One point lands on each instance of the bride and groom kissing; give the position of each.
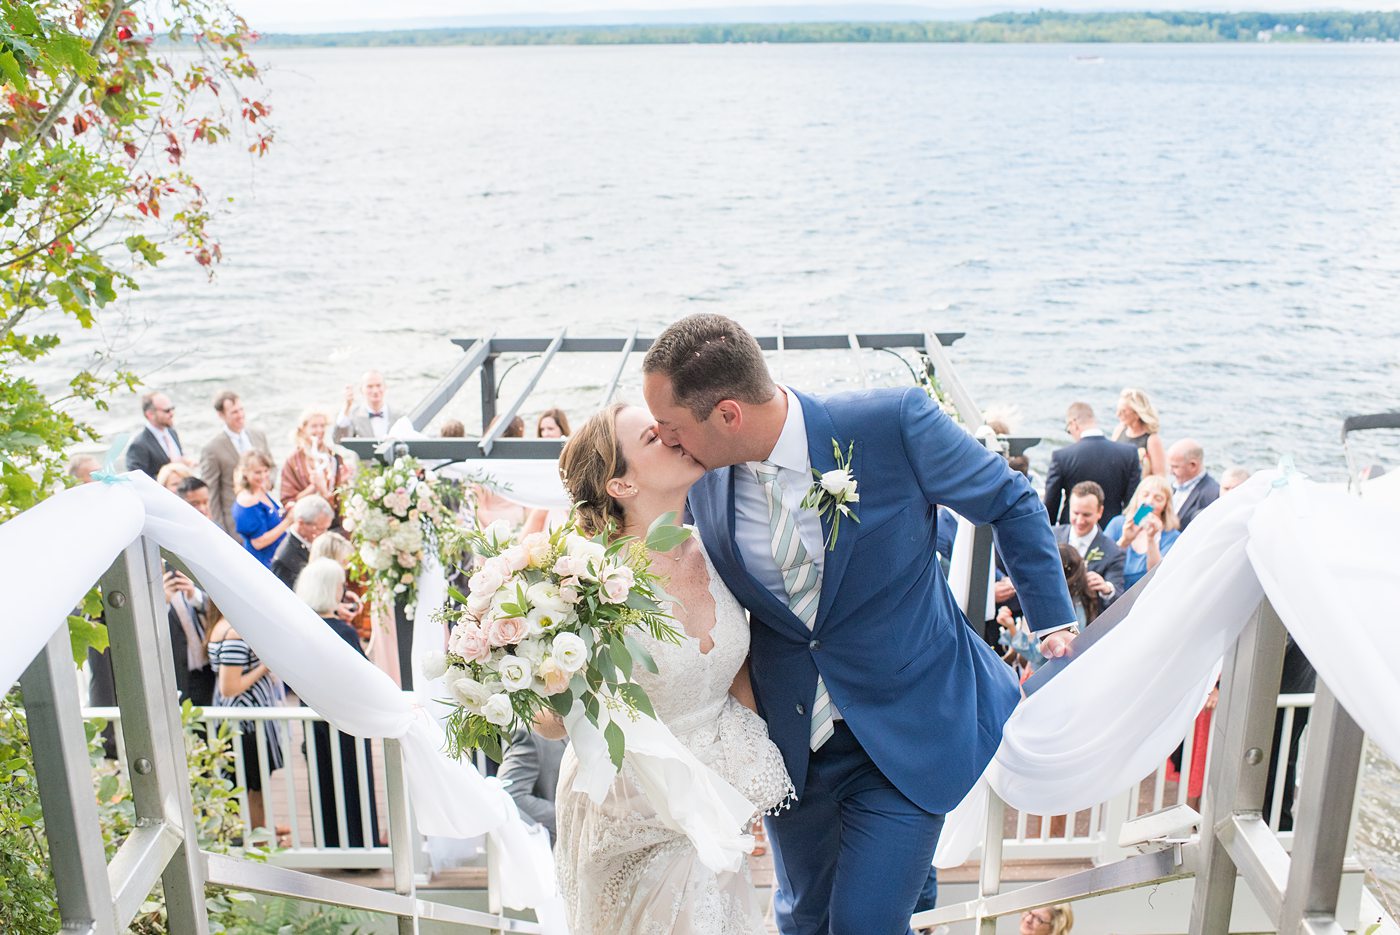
(880, 707)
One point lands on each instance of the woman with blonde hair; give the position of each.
(1145, 543)
(1047, 920)
(172, 474)
(355, 608)
(260, 520)
(315, 467)
(623, 870)
(1139, 426)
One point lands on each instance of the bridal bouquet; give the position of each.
(548, 623)
(394, 515)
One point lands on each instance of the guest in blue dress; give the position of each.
(1144, 544)
(259, 519)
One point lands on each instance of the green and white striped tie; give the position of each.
(803, 581)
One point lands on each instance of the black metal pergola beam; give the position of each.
(480, 354)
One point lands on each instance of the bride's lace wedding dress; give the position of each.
(621, 871)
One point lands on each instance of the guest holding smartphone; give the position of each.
(1147, 529)
(260, 520)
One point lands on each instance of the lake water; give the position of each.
(1217, 224)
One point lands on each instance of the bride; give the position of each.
(621, 870)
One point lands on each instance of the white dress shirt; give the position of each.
(241, 441)
(751, 532)
(1082, 545)
(1181, 492)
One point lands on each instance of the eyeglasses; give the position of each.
(1037, 917)
(1070, 424)
(167, 410)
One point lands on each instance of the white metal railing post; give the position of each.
(1323, 827)
(493, 882)
(989, 874)
(1242, 734)
(164, 842)
(64, 773)
(401, 837)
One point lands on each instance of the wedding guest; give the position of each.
(552, 423)
(1086, 601)
(371, 419)
(260, 521)
(314, 468)
(1139, 426)
(171, 475)
(321, 585)
(453, 428)
(354, 609)
(1103, 558)
(1232, 478)
(218, 460)
(80, 468)
(157, 443)
(1145, 543)
(186, 609)
(1047, 920)
(196, 493)
(1193, 489)
(1112, 465)
(311, 517)
(530, 771)
(242, 680)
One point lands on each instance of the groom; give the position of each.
(885, 704)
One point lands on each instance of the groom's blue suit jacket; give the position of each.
(924, 695)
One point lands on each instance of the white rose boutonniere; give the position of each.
(833, 491)
(1093, 556)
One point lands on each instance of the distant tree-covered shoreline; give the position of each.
(1039, 26)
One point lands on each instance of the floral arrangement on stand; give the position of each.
(394, 516)
(549, 623)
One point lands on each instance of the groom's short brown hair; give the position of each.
(708, 358)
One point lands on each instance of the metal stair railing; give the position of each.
(102, 898)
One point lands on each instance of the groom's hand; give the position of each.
(1056, 644)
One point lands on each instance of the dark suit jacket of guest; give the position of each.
(530, 771)
(1112, 465)
(1110, 566)
(290, 558)
(145, 453)
(1206, 492)
(217, 463)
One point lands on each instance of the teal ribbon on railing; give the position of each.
(110, 466)
(1287, 471)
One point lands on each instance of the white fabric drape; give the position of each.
(54, 552)
(1324, 558)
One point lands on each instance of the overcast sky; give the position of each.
(330, 15)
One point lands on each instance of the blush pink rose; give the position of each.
(469, 641)
(555, 679)
(507, 631)
(617, 584)
(517, 557)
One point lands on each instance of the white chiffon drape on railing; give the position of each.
(1326, 559)
(53, 553)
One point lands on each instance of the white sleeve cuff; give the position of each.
(1042, 634)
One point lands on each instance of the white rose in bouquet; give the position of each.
(532, 651)
(569, 652)
(497, 710)
(548, 609)
(433, 665)
(585, 553)
(516, 673)
(471, 693)
(537, 545)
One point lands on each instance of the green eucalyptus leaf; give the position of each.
(636, 696)
(616, 745)
(640, 653)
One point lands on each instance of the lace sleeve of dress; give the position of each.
(752, 763)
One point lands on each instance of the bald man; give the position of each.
(371, 419)
(1193, 489)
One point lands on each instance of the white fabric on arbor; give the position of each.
(53, 553)
(1324, 558)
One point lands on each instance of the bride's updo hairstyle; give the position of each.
(592, 456)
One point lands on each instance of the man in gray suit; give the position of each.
(530, 771)
(373, 418)
(219, 459)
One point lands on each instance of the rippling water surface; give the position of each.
(1218, 224)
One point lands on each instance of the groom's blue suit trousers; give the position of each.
(853, 854)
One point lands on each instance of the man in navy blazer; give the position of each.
(919, 700)
(156, 444)
(1193, 489)
(1101, 554)
(1112, 465)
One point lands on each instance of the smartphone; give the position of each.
(1141, 514)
